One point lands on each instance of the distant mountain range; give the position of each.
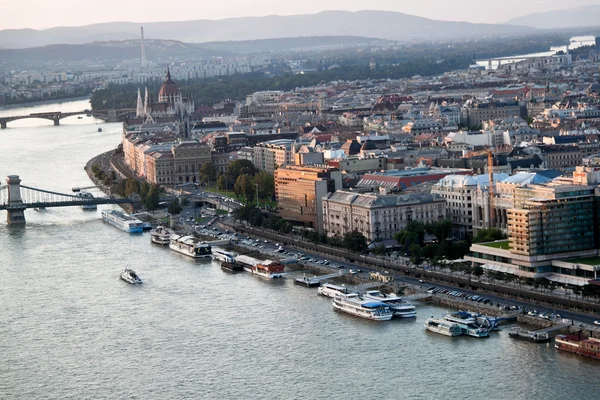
(572, 17)
(373, 24)
(155, 49)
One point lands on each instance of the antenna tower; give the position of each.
(143, 50)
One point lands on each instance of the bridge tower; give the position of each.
(16, 209)
(2, 123)
(56, 120)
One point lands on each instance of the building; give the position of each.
(378, 217)
(458, 191)
(299, 190)
(269, 156)
(478, 112)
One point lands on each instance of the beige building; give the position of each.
(299, 190)
(271, 155)
(378, 217)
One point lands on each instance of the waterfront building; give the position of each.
(378, 217)
(458, 190)
(299, 190)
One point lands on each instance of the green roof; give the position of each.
(586, 261)
(503, 244)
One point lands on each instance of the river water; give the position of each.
(70, 329)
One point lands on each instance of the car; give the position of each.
(421, 281)
(597, 322)
(266, 241)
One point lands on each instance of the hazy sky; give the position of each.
(39, 14)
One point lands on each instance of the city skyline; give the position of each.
(112, 10)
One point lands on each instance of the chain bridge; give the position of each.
(56, 116)
(16, 198)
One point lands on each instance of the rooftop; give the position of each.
(501, 244)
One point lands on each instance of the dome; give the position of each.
(169, 88)
(368, 145)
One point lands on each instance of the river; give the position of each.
(70, 329)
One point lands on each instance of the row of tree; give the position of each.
(149, 193)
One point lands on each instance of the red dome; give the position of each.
(169, 88)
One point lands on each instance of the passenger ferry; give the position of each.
(269, 269)
(223, 256)
(190, 246)
(87, 196)
(578, 344)
(467, 324)
(353, 304)
(161, 235)
(331, 290)
(529, 336)
(400, 307)
(122, 221)
(443, 327)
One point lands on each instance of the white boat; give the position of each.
(269, 269)
(468, 324)
(443, 327)
(331, 290)
(122, 221)
(87, 195)
(131, 277)
(161, 235)
(190, 246)
(223, 256)
(353, 304)
(400, 307)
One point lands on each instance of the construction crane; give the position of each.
(491, 186)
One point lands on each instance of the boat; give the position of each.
(99, 129)
(80, 117)
(352, 303)
(529, 336)
(331, 290)
(222, 255)
(131, 277)
(231, 266)
(87, 196)
(122, 221)
(146, 226)
(161, 235)
(190, 246)
(468, 324)
(269, 269)
(578, 344)
(308, 282)
(400, 307)
(443, 327)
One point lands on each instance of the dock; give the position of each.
(308, 282)
(553, 330)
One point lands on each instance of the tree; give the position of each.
(131, 187)
(152, 198)
(478, 271)
(222, 183)
(208, 173)
(379, 250)
(239, 167)
(266, 185)
(414, 233)
(441, 229)
(174, 208)
(416, 256)
(355, 241)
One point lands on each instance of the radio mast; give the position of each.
(143, 50)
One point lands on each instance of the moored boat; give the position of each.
(269, 269)
(161, 235)
(190, 246)
(529, 336)
(87, 196)
(468, 324)
(129, 276)
(578, 344)
(331, 290)
(400, 307)
(443, 327)
(122, 221)
(308, 282)
(353, 304)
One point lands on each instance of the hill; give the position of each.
(373, 24)
(579, 16)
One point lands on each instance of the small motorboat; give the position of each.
(131, 277)
(99, 129)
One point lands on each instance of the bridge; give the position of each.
(55, 116)
(16, 198)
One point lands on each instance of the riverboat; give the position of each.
(269, 269)
(468, 324)
(87, 196)
(223, 256)
(528, 336)
(578, 344)
(331, 290)
(443, 327)
(353, 304)
(190, 246)
(122, 221)
(400, 307)
(131, 277)
(161, 235)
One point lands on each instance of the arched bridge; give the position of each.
(16, 198)
(56, 116)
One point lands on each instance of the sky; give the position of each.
(41, 14)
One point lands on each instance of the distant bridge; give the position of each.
(55, 116)
(16, 198)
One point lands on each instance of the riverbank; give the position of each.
(38, 102)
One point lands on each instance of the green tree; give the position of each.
(416, 256)
(239, 167)
(222, 183)
(266, 185)
(379, 250)
(355, 241)
(488, 235)
(174, 208)
(208, 173)
(442, 230)
(152, 198)
(131, 187)
(244, 186)
(478, 271)
(414, 233)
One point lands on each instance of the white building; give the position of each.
(378, 217)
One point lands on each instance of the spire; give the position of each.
(146, 104)
(168, 73)
(140, 107)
